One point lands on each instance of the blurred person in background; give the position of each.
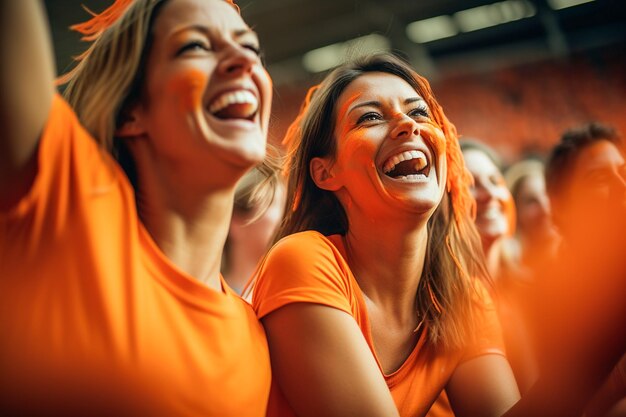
(536, 237)
(251, 228)
(586, 183)
(495, 221)
(586, 173)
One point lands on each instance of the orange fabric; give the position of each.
(95, 320)
(309, 267)
(441, 407)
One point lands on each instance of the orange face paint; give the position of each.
(189, 87)
(343, 110)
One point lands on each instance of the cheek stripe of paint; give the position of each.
(190, 87)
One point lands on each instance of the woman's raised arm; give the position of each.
(26, 90)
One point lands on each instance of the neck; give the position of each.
(388, 262)
(188, 218)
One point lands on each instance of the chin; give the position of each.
(423, 206)
(493, 234)
(246, 154)
(254, 156)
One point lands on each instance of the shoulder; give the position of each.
(62, 121)
(303, 267)
(63, 134)
(306, 253)
(70, 164)
(303, 245)
(308, 250)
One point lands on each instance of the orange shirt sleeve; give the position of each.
(304, 267)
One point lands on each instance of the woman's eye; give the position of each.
(419, 112)
(368, 117)
(193, 46)
(496, 180)
(253, 47)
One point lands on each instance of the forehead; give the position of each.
(214, 14)
(478, 163)
(598, 155)
(377, 86)
(533, 183)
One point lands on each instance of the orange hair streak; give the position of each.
(100, 22)
(292, 140)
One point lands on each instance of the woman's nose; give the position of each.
(405, 127)
(237, 60)
(485, 191)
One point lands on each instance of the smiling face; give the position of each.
(600, 172)
(491, 195)
(533, 207)
(207, 97)
(596, 189)
(389, 152)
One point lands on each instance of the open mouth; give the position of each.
(411, 164)
(238, 104)
(492, 213)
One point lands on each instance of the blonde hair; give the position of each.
(109, 78)
(249, 195)
(109, 74)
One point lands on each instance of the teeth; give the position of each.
(409, 177)
(233, 97)
(420, 164)
(492, 213)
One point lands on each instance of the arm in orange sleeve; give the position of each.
(483, 383)
(483, 386)
(323, 364)
(320, 358)
(26, 90)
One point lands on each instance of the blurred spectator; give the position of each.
(536, 236)
(251, 229)
(495, 221)
(584, 336)
(586, 173)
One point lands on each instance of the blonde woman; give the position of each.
(112, 301)
(251, 229)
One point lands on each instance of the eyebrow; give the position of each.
(375, 103)
(207, 31)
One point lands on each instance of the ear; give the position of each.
(132, 124)
(322, 174)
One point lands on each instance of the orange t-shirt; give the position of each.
(95, 320)
(311, 268)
